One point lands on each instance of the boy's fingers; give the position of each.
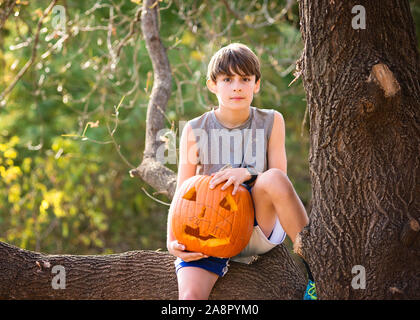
(230, 181)
(227, 184)
(214, 182)
(178, 246)
(217, 178)
(235, 188)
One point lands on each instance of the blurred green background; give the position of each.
(74, 124)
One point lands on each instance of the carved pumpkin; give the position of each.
(211, 221)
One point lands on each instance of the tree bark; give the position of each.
(138, 275)
(363, 94)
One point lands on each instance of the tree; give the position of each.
(363, 99)
(363, 93)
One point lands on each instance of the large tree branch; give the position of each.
(138, 275)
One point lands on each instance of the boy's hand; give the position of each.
(177, 249)
(235, 176)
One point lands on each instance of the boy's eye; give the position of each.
(226, 79)
(246, 79)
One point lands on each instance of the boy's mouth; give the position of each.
(237, 98)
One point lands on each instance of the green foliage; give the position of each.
(68, 201)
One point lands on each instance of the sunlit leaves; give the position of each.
(43, 196)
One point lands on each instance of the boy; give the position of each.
(234, 77)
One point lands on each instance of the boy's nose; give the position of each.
(237, 87)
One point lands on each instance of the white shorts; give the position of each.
(259, 244)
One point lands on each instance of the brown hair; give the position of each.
(234, 58)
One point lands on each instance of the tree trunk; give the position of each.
(138, 275)
(363, 94)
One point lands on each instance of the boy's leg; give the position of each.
(195, 283)
(274, 196)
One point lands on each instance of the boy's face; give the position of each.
(235, 92)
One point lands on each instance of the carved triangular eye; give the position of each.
(229, 203)
(190, 194)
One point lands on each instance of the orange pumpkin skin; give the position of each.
(211, 221)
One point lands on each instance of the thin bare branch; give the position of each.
(33, 56)
(6, 9)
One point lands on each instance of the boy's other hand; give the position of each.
(177, 249)
(235, 176)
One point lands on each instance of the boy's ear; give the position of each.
(211, 85)
(257, 86)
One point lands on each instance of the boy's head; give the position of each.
(235, 58)
(234, 76)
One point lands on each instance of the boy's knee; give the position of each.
(275, 182)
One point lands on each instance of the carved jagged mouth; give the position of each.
(195, 232)
(207, 240)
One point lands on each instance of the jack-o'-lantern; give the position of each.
(211, 221)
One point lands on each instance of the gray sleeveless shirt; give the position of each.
(243, 145)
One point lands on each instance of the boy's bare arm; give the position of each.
(187, 163)
(188, 159)
(276, 144)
